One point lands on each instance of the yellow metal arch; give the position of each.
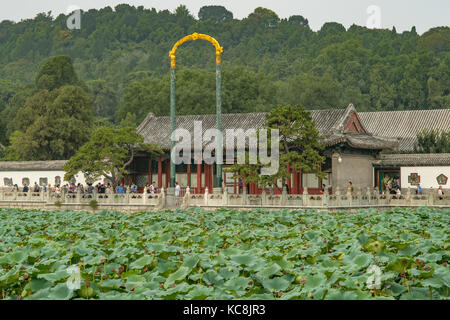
(193, 37)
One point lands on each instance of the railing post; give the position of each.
(185, 203)
(349, 197)
(78, 195)
(144, 197)
(15, 195)
(206, 196)
(225, 196)
(264, 197)
(2, 195)
(29, 194)
(338, 196)
(431, 197)
(305, 197)
(163, 198)
(408, 196)
(325, 198)
(283, 196)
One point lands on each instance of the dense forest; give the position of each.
(119, 68)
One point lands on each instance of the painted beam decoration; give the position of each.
(414, 179)
(442, 179)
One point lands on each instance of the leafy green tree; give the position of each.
(298, 21)
(52, 125)
(105, 100)
(431, 141)
(300, 146)
(215, 13)
(57, 72)
(108, 153)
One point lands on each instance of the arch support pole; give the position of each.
(172, 126)
(219, 147)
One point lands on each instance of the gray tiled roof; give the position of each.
(405, 124)
(54, 165)
(362, 141)
(157, 129)
(382, 127)
(431, 159)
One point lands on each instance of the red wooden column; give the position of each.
(295, 189)
(167, 173)
(234, 185)
(244, 185)
(149, 171)
(159, 172)
(189, 175)
(300, 180)
(199, 176)
(208, 177)
(320, 179)
(289, 175)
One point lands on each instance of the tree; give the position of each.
(300, 146)
(215, 13)
(52, 125)
(108, 153)
(431, 141)
(56, 73)
(298, 20)
(105, 99)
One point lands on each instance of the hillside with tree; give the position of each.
(121, 69)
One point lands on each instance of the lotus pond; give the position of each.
(225, 254)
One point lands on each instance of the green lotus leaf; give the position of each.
(243, 259)
(55, 276)
(315, 281)
(178, 275)
(237, 284)
(276, 284)
(142, 262)
(61, 292)
(334, 294)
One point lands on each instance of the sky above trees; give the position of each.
(403, 14)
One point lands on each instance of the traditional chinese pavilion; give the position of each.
(354, 142)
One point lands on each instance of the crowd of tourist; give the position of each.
(100, 188)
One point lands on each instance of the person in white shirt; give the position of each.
(177, 191)
(152, 187)
(440, 193)
(399, 193)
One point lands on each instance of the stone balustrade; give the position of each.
(221, 198)
(345, 198)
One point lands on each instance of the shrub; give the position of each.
(93, 204)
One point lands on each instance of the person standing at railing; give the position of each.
(152, 187)
(440, 193)
(120, 189)
(399, 193)
(134, 188)
(177, 192)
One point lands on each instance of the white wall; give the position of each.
(35, 175)
(427, 175)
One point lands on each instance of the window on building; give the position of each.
(26, 181)
(58, 180)
(7, 181)
(43, 181)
